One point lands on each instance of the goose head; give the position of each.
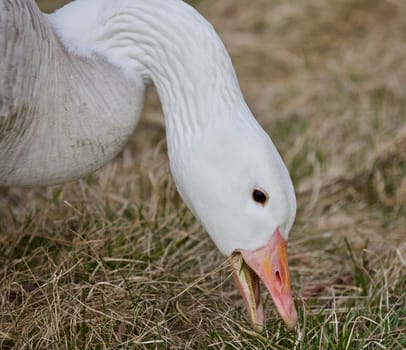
(235, 182)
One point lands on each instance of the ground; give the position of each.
(116, 260)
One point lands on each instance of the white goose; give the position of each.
(71, 91)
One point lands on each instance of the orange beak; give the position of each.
(270, 264)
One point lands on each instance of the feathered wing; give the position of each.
(25, 40)
(61, 115)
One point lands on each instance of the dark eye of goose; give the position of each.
(259, 196)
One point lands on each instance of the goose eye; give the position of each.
(259, 196)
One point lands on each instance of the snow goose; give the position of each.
(71, 91)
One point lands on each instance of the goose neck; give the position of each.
(166, 42)
(179, 51)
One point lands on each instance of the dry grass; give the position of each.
(117, 261)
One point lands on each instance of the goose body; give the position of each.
(72, 87)
(61, 116)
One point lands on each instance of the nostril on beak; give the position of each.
(278, 279)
